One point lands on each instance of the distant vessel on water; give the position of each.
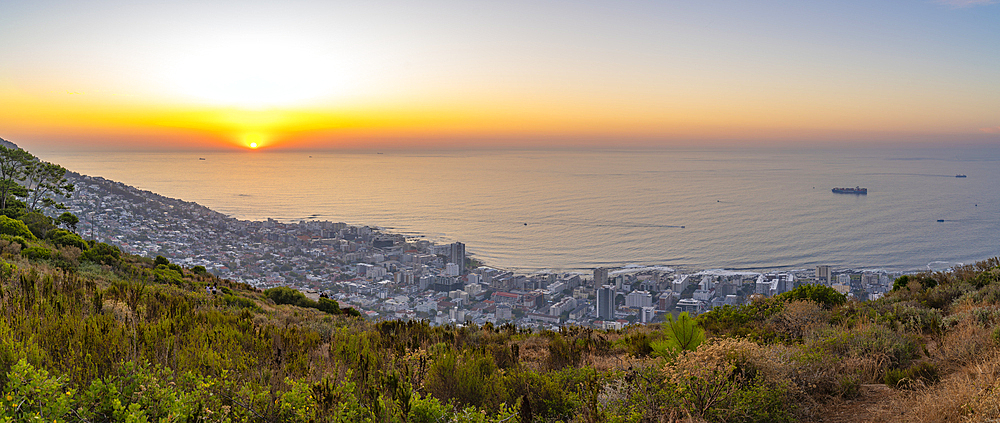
(855, 190)
(960, 176)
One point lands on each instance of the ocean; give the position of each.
(740, 209)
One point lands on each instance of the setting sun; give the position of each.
(253, 140)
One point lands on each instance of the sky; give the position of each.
(310, 74)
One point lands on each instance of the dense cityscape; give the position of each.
(388, 276)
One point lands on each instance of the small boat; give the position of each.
(201, 158)
(855, 190)
(961, 176)
(940, 220)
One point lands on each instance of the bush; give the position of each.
(286, 295)
(820, 294)
(730, 380)
(102, 253)
(918, 375)
(796, 319)
(63, 237)
(39, 224)
(744, 321)
(329, 306)
(19, 240)
(37, 253)
(923, 280)
(906, 316)
(15, 228)
(872, 347)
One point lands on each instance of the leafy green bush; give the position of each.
(743, 321)
(286, 295)
(14, 227)
(37, 253)
(820, 294)
(102, 253)
(31, 394)
(63, 237)
(39, 224)
(327, 305)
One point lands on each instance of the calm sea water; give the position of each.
(575, 210)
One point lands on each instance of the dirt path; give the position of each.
(873, 405)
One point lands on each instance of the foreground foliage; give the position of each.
(88, 334)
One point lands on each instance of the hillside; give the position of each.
(91, 334)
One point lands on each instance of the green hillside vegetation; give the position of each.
(93, 335)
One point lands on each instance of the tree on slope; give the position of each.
(13, 163)
(43, 181)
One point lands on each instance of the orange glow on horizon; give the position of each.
(504, 121)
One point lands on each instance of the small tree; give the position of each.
(44, 181)
(13, 162)
(682, 334)
(69, 220)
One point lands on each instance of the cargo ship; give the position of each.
(855, 190)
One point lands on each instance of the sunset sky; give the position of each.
(372, 74)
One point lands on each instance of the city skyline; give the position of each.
(308, 75)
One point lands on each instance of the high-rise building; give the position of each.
(606, 302)
(823, 274)
(600, 277)
(457, 255)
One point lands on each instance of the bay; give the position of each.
(573, 210)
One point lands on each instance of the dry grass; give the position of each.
(971, 394)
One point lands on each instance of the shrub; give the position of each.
(730, 380)
(37, 253)
(164, 274)
(14, 227)
(745, 320)
(327, 305)
(987, 277)
(32, 394)
(872, 347)
(918, 375)
(102, 253)
(908, 317)
(63, 237)
(797, 318)
(39, 224)
(563, 352)
(286, 295)
(19, 240)
(820, 294)
(923, 280)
